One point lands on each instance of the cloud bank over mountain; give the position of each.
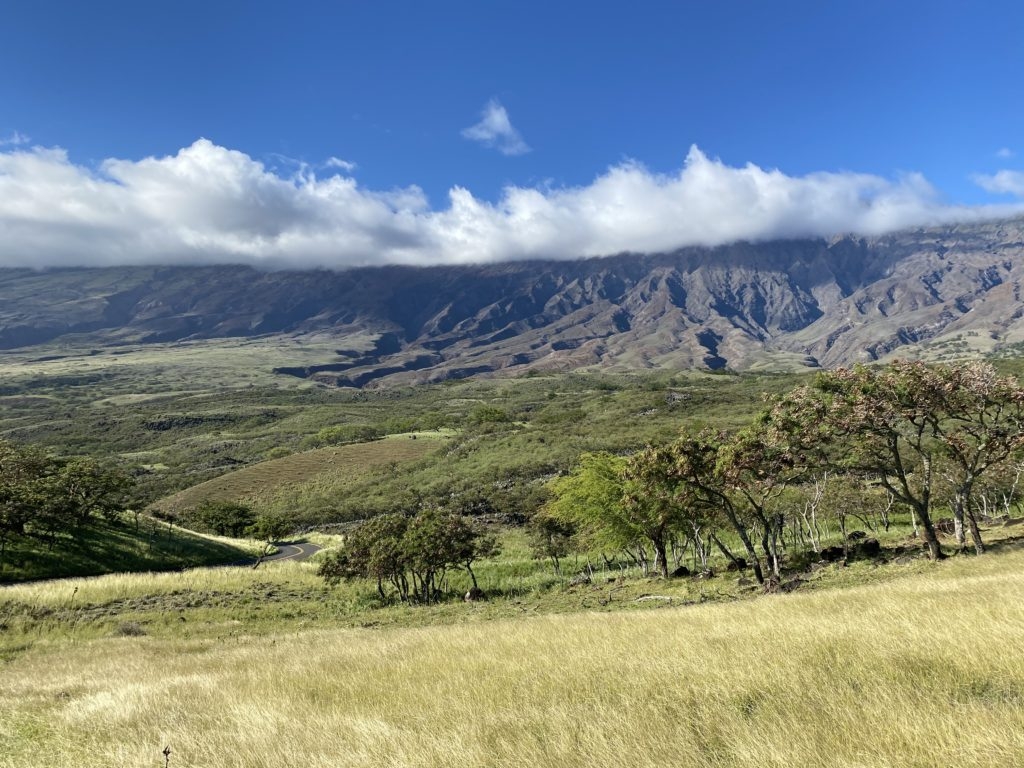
(211, 204)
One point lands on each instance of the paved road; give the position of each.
(298, 551)
(301, 551)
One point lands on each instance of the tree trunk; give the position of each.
(725, 551)
(957, 508)
(770, 554)
(748, 545)
(660, 556)
(931, 539)
(972, 521)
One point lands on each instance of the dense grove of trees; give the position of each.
(411, 553)
(852, 444)
(44, 498)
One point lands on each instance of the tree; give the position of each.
(411, 553)
(592, 498)
(437, 540)
(92, 488)
(20, 471)
(758, 464)
(874, 422)
(44, 497)
(898, 423)
(978, 422)
(656, 501)
(699, 464)
(372, 550)
(224, 518)
(550, 537)
(271, 527)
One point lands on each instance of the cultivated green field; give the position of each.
(923, 670)
(290, 475)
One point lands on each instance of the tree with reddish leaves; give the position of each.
(700, 464)
(978, 423)
(903, 423)
(757, 465)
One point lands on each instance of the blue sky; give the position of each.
(537, 114)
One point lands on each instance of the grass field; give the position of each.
(343, 464)
(925, 670)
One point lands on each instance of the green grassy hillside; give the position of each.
(290, 475)
(124, 545)
(202, 412)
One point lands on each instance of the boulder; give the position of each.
(869, 548)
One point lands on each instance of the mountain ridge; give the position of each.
(789, 302)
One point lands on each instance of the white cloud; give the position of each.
(1002, 182)
(496, 130)
(1005, 153)
(210, 204)
(16, 139)
(342, 165)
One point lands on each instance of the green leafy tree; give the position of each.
(91, 488)
(271, 527)
(413, 554)
(550, 537)
(375, 551)
(489, 414)
(346, 433)
(757, 465)
(657, 502)
(590, 497)
(437, 540)
(224, 518)
(20, 494)
(44, 497)
(700, 464)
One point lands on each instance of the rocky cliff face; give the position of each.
(806, 302)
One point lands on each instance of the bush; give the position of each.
(223, 518)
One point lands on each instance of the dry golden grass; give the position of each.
(101, 590)
(923, 671)
(268, 477)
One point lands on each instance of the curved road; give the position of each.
(300, 551)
